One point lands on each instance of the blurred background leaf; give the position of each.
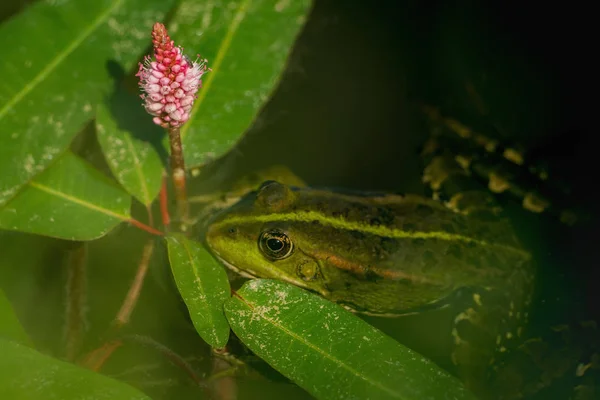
(28, 374)
(55, 72)
(71, 200)
(10, 326)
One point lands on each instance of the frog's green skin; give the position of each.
(387, 255)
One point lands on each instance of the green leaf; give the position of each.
(10, 327)
(28, 374)
(246, 43)
(54, 71)
(132, 159)
(204, 287)
(330, 352)
(71, 200)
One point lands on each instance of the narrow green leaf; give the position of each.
(28, 374)
(330, 352)
(71, 200)
(10, 327)
(132, 158)
(54, 71)
(246, 43)
(203, 285)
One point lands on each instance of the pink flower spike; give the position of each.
(169, 75)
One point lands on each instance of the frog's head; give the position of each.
(251, 239)
(314, 240)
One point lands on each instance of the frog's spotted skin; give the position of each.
(535, 367)
(563, 364)
(492, 313)
(516, 176)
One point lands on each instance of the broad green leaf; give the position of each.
(71, 200)
(54, 71)
(204, 287)
(28, 374)
(10, 327)
(132, 158)
(246, 43)
(330, 352)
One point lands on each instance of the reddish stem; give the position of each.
(164, 204)
(178, 173)
(145, 227)
(133, 294)
(96, 358)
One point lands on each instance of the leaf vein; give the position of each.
(223, 47)
(140, 173)
(58, 59)
(320, 351)
(78, 201)
(199, 286)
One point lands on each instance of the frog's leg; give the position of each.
(505, 169)
(489, 319)
(562, 363)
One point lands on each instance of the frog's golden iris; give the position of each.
(275, 244)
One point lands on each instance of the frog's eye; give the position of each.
(275, 244)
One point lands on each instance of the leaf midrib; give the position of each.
(137, 164)
(78, 201)
(320, 351)
(43, 74)
(221, 53)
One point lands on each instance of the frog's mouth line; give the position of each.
(246, 274)
(253, 275)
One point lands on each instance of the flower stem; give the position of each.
(178, 173)
(164, 204)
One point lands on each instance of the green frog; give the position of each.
(392, 255)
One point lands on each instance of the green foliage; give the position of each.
(246, 44)
(55, 72)
(10, 327)
(133, 161)
(328, 351)
(28, 374)
(204, 287)
(70, 200)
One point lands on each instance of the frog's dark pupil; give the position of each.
(275, 244)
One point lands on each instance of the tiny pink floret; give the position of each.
(170, 81)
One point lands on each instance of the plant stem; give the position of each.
(96, 358)
(164, 204)
(133, 294)
(144, 227)
(178, 174)
(172, 356)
